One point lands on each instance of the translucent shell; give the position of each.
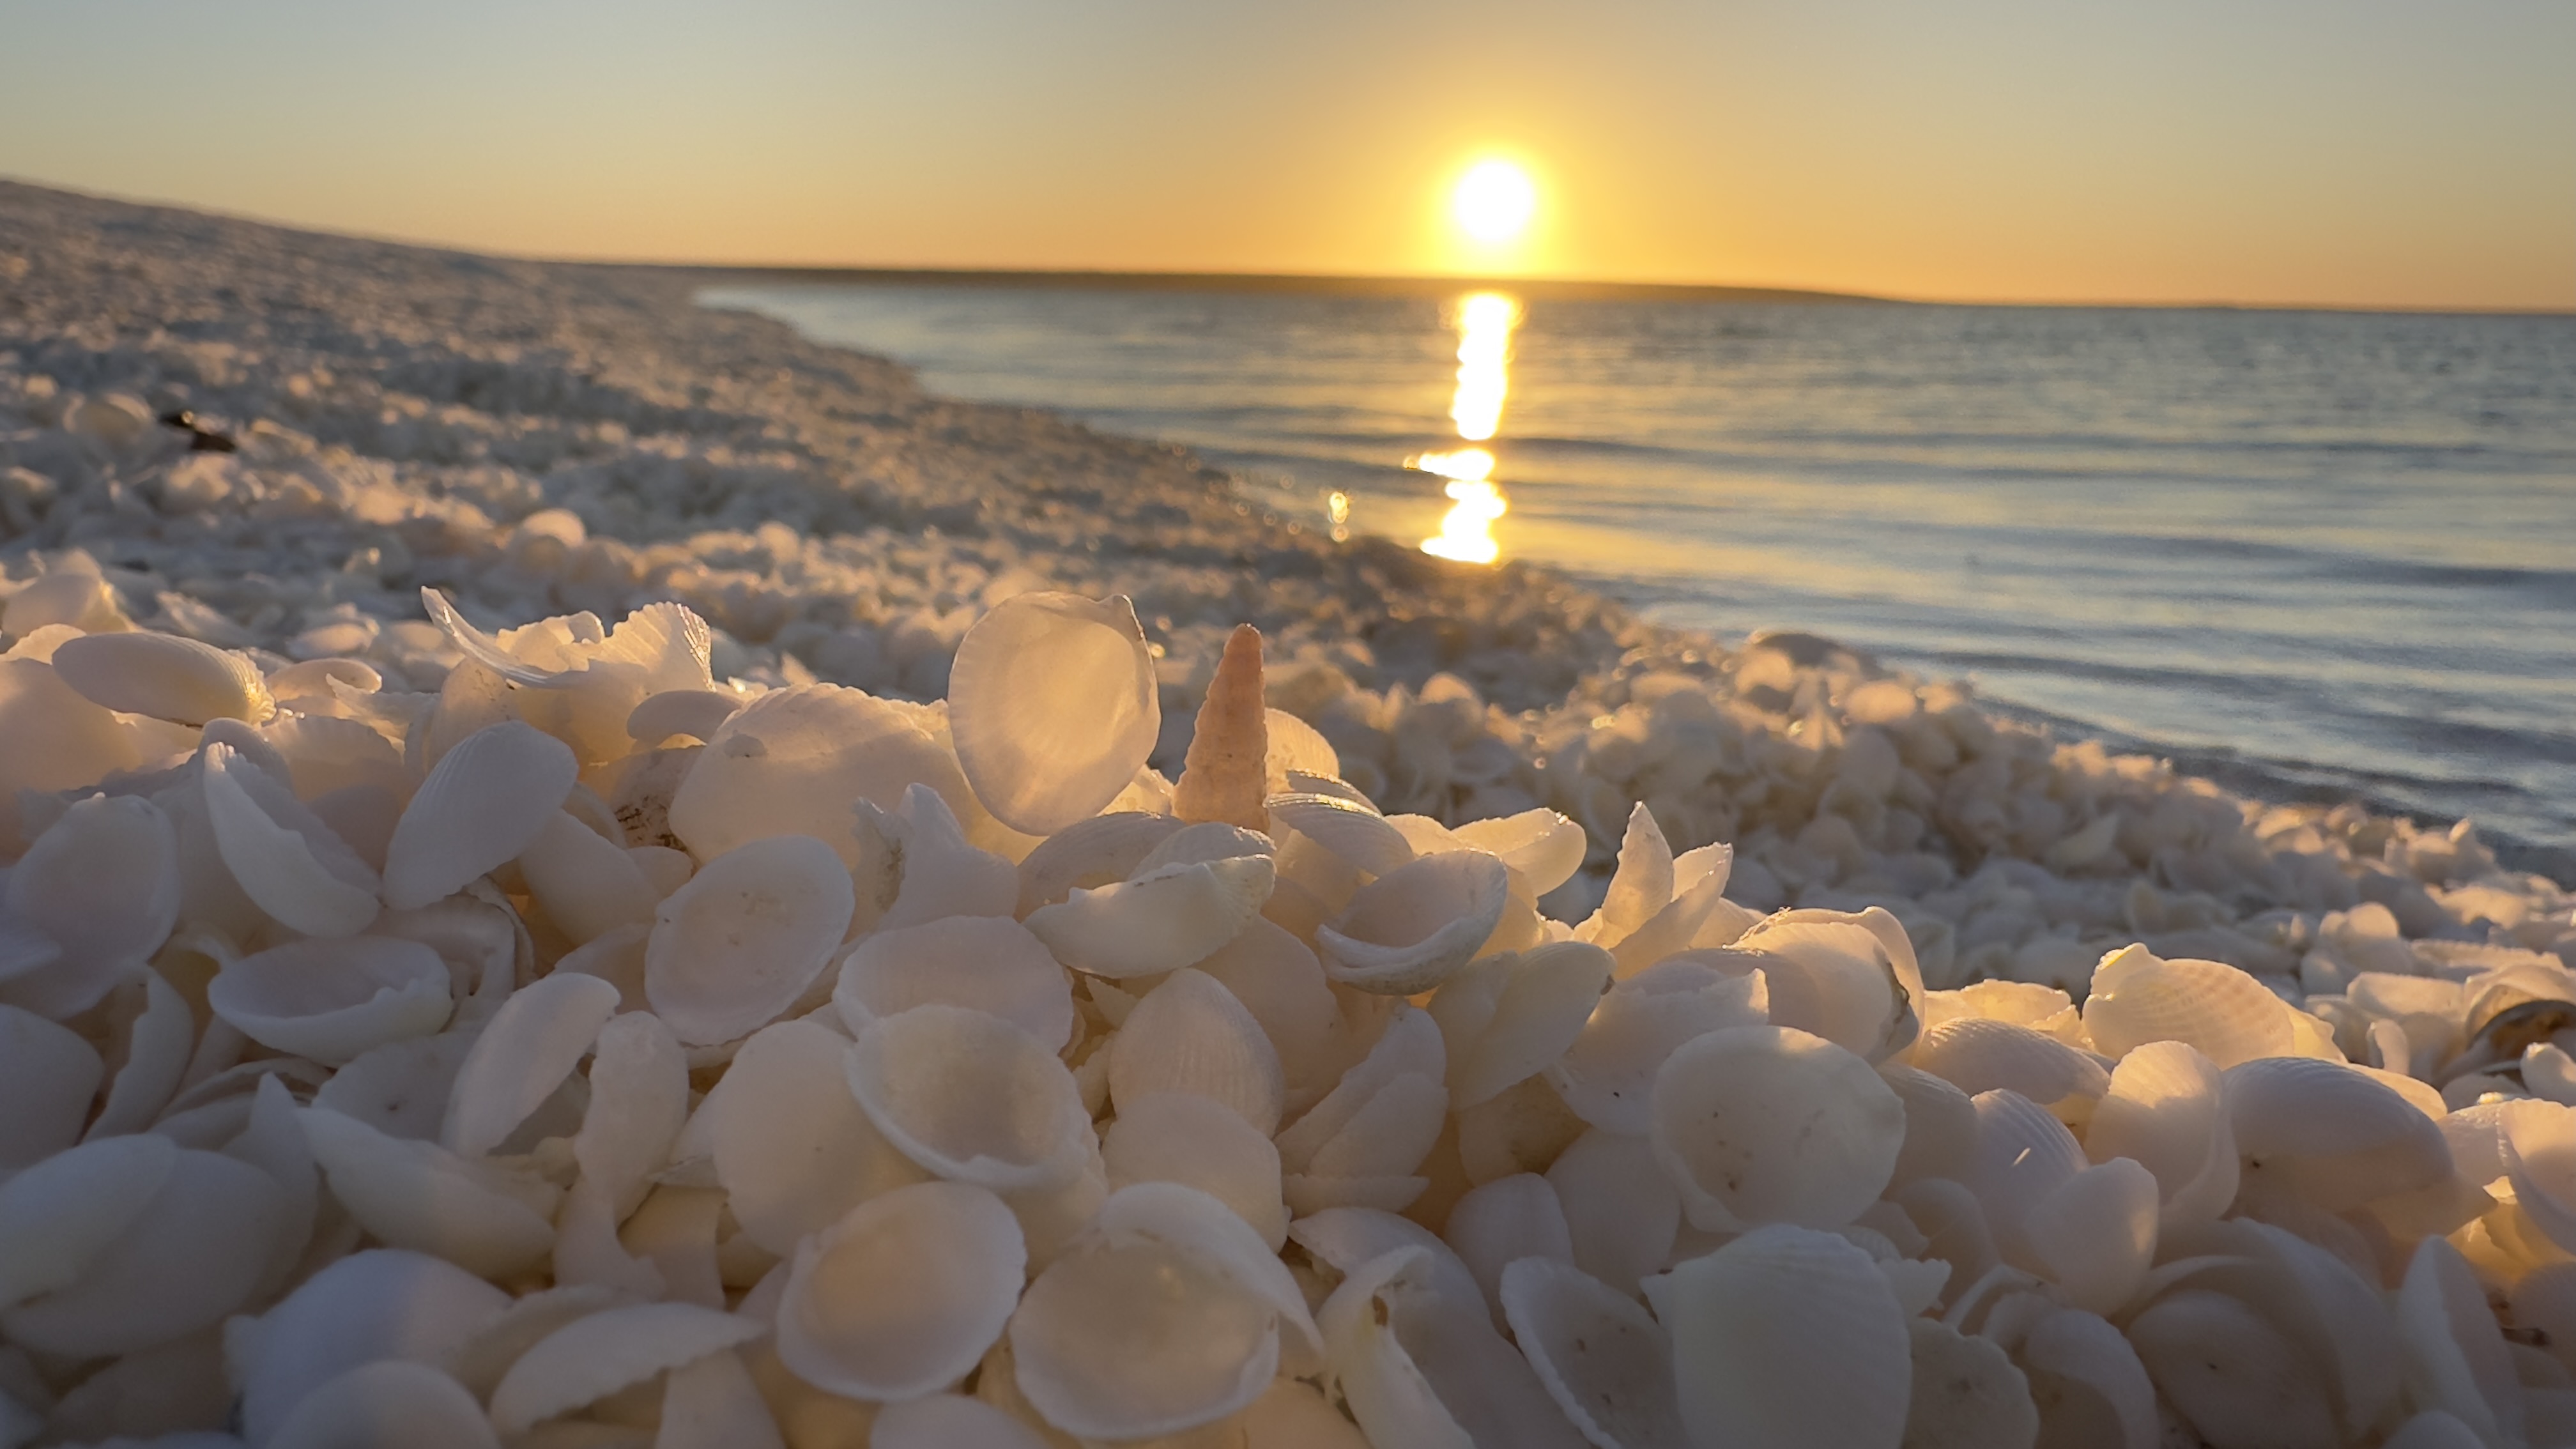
(792, 1149)
(971, 1098)
(1762, 1124)
(1189, 1034)
(904, 1294)
(1052, 704)
(1787, 1336)
(989, 963)
(331, 999)
(484, 802)
(736, 946)
(165, 676)
(1600, 1355)
(1408, 930)
(1160, 921)
(288, 861)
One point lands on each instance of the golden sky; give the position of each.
(2342, 152)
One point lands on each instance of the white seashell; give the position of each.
(941, 875)
(400, 1088)
(2433, 1429)
(1976, 1055)
(1408, 930)
(1282, 984)
(102, 885)
(1227, 770)
(1099, 851)
(594, 1356)
(697, 713)
(737, 945)
(1940, 1125)
(1641, 885)
(1382, 1118)
(2091, 1387)
(333, 999)
(1601, 1357)
(164, 676)
(47, 1076)
(2166, 1108)
(413, 1194)
(1206, 841)
(194, 1253)
(2094, 1235)
(971, 1098)
(1503, 1221)
(1786, 1336)
(1541, 848)
(2227, 1015)
(902, 1296)
(1157, 922)
(288, 861)
(2334, 1321)
(1608, 1073)
(1348, 1239)
(639, 1100)
(1507, 1017)
(1765, 1124)
(389, 1404)
(792, 1149)
(1834, 976)
(2455, 1356)
(1621, 1208)
(2023, 1155)
(2331, 1136)
(1204, 1227)
(523, 1054)
(949, 1421)
(1967, 1393)
(2230, 1374)
(1053, 706)
(1189, 1034)
(57, 740)
(1198, 1142)
(988, 963)
(484, 802)
(373, 1306)
(1355, 833)
(61, 1214)
(587, 885)
(791, 763)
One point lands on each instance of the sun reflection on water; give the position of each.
(1485, 323)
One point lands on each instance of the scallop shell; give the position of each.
(1768, 1124)
(2167, 1110)
(2023, 1155)
(1608, 1073)
(1408, 930)
(1510, 1016)
(1226, 773)
(372, 1306)
(971, 1098)
(522, 1055)
(192, 1255)
(485, 801)
(412, 1194)
(1157, 922)
(1189, 1034)
(988, 963)
(1787, 1336)
(902, 1296)
(1976, 1055)
(48, 1076)
(1621, 1208)
(2228, 1016)
(1501, 1222)
(331, 999)
(295, 867)
(791, 1147)
(738, 944)
(389, 1404)
(1967, 1393)
(1604, 1360)
(1053, 706)
(1198, 1142)
(594, 1356)
(792, 761)
(165, 676)
(949, 1421)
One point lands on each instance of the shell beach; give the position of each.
(580, 871)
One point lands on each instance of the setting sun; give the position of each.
(1494, 201)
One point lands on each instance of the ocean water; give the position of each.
(2314, 555)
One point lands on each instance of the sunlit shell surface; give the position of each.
(578, 1034)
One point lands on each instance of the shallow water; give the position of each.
(2316, 555)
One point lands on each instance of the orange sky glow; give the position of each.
(2337, 152)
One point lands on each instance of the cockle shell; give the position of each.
(2224, 1013)
(2022, 1156)
(1189, 1034)
(1839, 978)
(1281, 983)
(484, 802)
(1353, 832)
(739, 943)
(2166, 1108)
(331, 999)
(696, 713)
(594, 1356)
(1199, 1142)
(1601, 1356)
(791, 1147)
(971, 1098)
(58, 1216)
(902, 1296)
(57, 740)
(1976, 1054)
(1607, 1075)
(1156, 922)
(2456, 1357)
(1052, 704)
(587, 884)
(1226, 773)
(1968, 1394)
(1763, 1124)
(2330, 1135)
(1786, 1336)
(989, 963)
(1381, 1119)
(1541, 848)
(2095, 1234)
(1098, 851)
(165, 676)
(1409, 929)
(287, 860)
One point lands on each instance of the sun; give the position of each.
(1494, 201)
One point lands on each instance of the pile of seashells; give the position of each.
(585, 1052)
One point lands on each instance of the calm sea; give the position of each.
(2315, 555)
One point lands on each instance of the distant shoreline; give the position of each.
(1555, 289)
